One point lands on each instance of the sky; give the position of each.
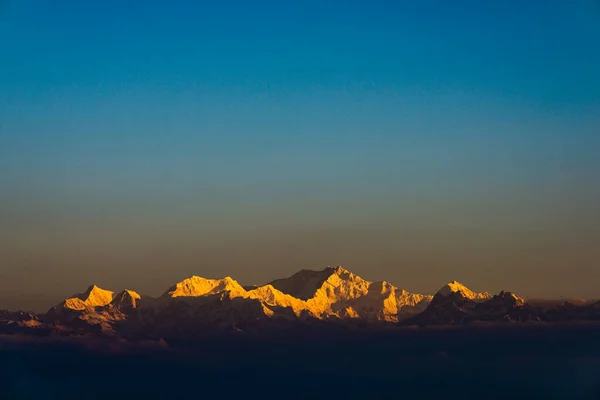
(142, 142)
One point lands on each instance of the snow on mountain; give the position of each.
(198, 286)
(272, 297)
(338, 293)
(330, 293)
(19, 321)
(127, 299)
(199, 305)
(304, 284)
(454, 303)
(456, 287)
(199, 302)
(513, 298)
(92, 297)
(411, 303)
(96, 310)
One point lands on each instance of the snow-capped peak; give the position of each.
(197, 286)
(334, 291)
(338, 270)
(94, 296)
(512, 297)
(457, 287)
(126, 299)
(306, 283)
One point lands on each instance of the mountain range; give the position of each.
(333, 298)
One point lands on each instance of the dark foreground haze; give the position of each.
(517, 362)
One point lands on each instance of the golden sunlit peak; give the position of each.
(126, 298)
(93, 288)
(511, 295)
(94, 296)
(338, 269)
(197, 286)
(457, 287)
(130, 293)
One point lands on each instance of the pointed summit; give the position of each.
(97, 297)
(127, 299)
(338, 270)
(335, 292)
(305, 283)
(510, 298)
(94, 296)
(457, 287)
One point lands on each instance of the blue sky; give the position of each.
(268, 116)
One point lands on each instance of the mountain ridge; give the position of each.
(330, 297)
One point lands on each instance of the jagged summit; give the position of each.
(98, 295)
(457, 287)
(334, 295)
(126, 299)
(338, 269)
(304, 284)
(335, 292)
(94, 296)
(197, 286)
(510, 297)
(456, 304)
(272, 297)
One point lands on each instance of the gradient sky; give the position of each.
(416, 142)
